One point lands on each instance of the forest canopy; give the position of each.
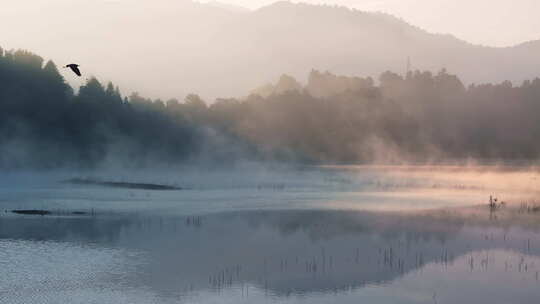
(417, 117)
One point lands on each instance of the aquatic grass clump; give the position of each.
(494, 204)
(529, 207)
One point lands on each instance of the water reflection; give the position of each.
(252, 256)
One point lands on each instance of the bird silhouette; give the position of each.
(75, 68)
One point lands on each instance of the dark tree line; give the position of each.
(44, 124)
(333, 119)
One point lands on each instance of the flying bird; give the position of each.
(75, 68)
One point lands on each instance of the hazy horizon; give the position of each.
(170, 48)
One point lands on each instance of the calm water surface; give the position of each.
(331, 235)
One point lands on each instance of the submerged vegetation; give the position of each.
(31, 212)
(48, 212)
(418, 117)
(126, 185)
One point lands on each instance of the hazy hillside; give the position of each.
(180, 47)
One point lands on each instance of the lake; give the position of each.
(258, 234)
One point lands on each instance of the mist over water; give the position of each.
(259, 234)
(259, 186)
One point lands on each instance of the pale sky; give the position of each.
(487, 22)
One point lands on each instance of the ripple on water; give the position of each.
(60, 272)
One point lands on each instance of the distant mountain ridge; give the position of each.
(178, 47)
(226, 6)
